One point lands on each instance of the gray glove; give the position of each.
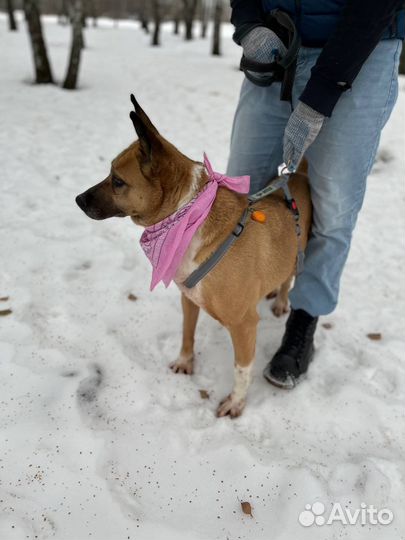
(302, 129)
(262, 45)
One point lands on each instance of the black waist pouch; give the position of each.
(282, 69)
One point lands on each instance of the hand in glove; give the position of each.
(302, 129)
(262, 45)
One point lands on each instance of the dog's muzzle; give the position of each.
(87, 202)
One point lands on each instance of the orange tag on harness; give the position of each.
(259, 216)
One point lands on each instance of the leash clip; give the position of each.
(285, 171)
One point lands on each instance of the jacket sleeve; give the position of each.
(358, 32)
(246, 15)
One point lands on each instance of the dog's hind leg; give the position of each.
(280, 304)
(244, 343)
(185, 361)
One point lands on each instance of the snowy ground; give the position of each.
(98, 439)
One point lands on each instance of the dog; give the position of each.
(152, 179)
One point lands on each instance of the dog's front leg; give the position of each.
(244, 343)
(185, 361)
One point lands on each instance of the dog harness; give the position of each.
(166, 242)
(281, 182)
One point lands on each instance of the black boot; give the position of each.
(296, 350)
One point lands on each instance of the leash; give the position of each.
(279, 183)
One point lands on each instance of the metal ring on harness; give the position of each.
(282, 69)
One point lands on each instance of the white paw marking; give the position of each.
(235, 402)
(232, 406)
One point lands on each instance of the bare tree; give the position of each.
(177, 13)
(144, 16)
(76, 17)
(157, 19)
(12, 23)
(43, 73)
(190, 7)
(216, 36)
(205, 15)
(92, 10)
(63, 16)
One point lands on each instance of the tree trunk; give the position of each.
(143, 16)
(63, 16)
(205, 15)
(402, 62)
(12, 23)
(43, 72)
(91, 11)
(190, 7)
(216, 36)
(176, 17)
(156, 13)
(76, 9)
(189, 30)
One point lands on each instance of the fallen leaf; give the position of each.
(132, 297)
(376, 336)
(327, 325)
(246, 508)
(204, 394)
(5, 312)
(4, 298)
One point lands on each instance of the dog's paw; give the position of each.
(231, 406)
(279, 307)
(272, 294)
(183, 365)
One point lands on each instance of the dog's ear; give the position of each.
(149, 139)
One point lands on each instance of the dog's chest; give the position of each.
(187, 266)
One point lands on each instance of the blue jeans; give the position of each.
(339, 161)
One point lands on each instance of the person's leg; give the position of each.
(339, 161)
(257, 134)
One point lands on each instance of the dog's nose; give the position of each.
(81, 201)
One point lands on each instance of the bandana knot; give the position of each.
(166, 242)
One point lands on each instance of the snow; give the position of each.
(99, 439)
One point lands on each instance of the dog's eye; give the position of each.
(117, 182)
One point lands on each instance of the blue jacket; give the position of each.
(347, 30)
(317, 19)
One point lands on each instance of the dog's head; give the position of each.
(147, 181)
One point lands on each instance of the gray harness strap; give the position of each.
(212, 261)
(279, 183)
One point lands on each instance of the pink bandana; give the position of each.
(166, 242)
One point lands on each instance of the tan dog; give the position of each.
(150, 180)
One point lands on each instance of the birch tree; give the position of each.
(157, 19)
(12, 23)
(190, 7)
(144, 16)
(216, 36)
(43, 73)
(76, 17)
